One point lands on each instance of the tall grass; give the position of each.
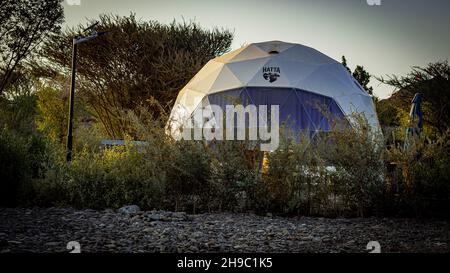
(347, 172)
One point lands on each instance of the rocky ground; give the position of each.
(129, 230)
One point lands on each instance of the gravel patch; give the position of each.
(50, 230)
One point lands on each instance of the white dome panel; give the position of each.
(225, 80)
(277, 64)
(306, 55)
(250, 52)
(206, 77)
(246, 72)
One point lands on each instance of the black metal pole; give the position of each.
(71, 102)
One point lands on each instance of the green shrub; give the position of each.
(21, 159)
(114, 177)
(188, 176)
(336, 173)
(419, 178)
(14, 167)
(347, 172)
(286, 180)
(236, 176)
(357, 155)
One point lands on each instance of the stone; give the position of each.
(100, 231)
(129, 210)
(154, 217)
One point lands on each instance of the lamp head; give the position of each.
(91, 28)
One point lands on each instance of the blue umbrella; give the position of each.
(416, 115)
(415, 119)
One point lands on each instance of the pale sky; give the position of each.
(385, 39)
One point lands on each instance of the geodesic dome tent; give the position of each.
(295, 77)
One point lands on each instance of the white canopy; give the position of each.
(276, 65)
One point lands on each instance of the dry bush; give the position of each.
(418, 178)
(340, 173)
(336, 173)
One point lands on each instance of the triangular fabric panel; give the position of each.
(204, 80)
(306, 55)
(246, 70)
(274, 46)
(296, 72)
(227, 57)
(322, 81)
(192, 99)
(251, 52)
(225, 80)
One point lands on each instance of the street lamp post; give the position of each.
(77, 40)
(72, 94)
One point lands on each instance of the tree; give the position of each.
(363, 77)
(360, 74)
(52, 104)
(390, 115)
(24, 24)
(433, 81)
(18, 106)
(136, 63)
(344, 63)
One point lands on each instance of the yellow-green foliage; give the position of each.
(52, 109)
(113, 177)
(346, 172)
(52, 112)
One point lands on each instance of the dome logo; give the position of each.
(271, 74)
